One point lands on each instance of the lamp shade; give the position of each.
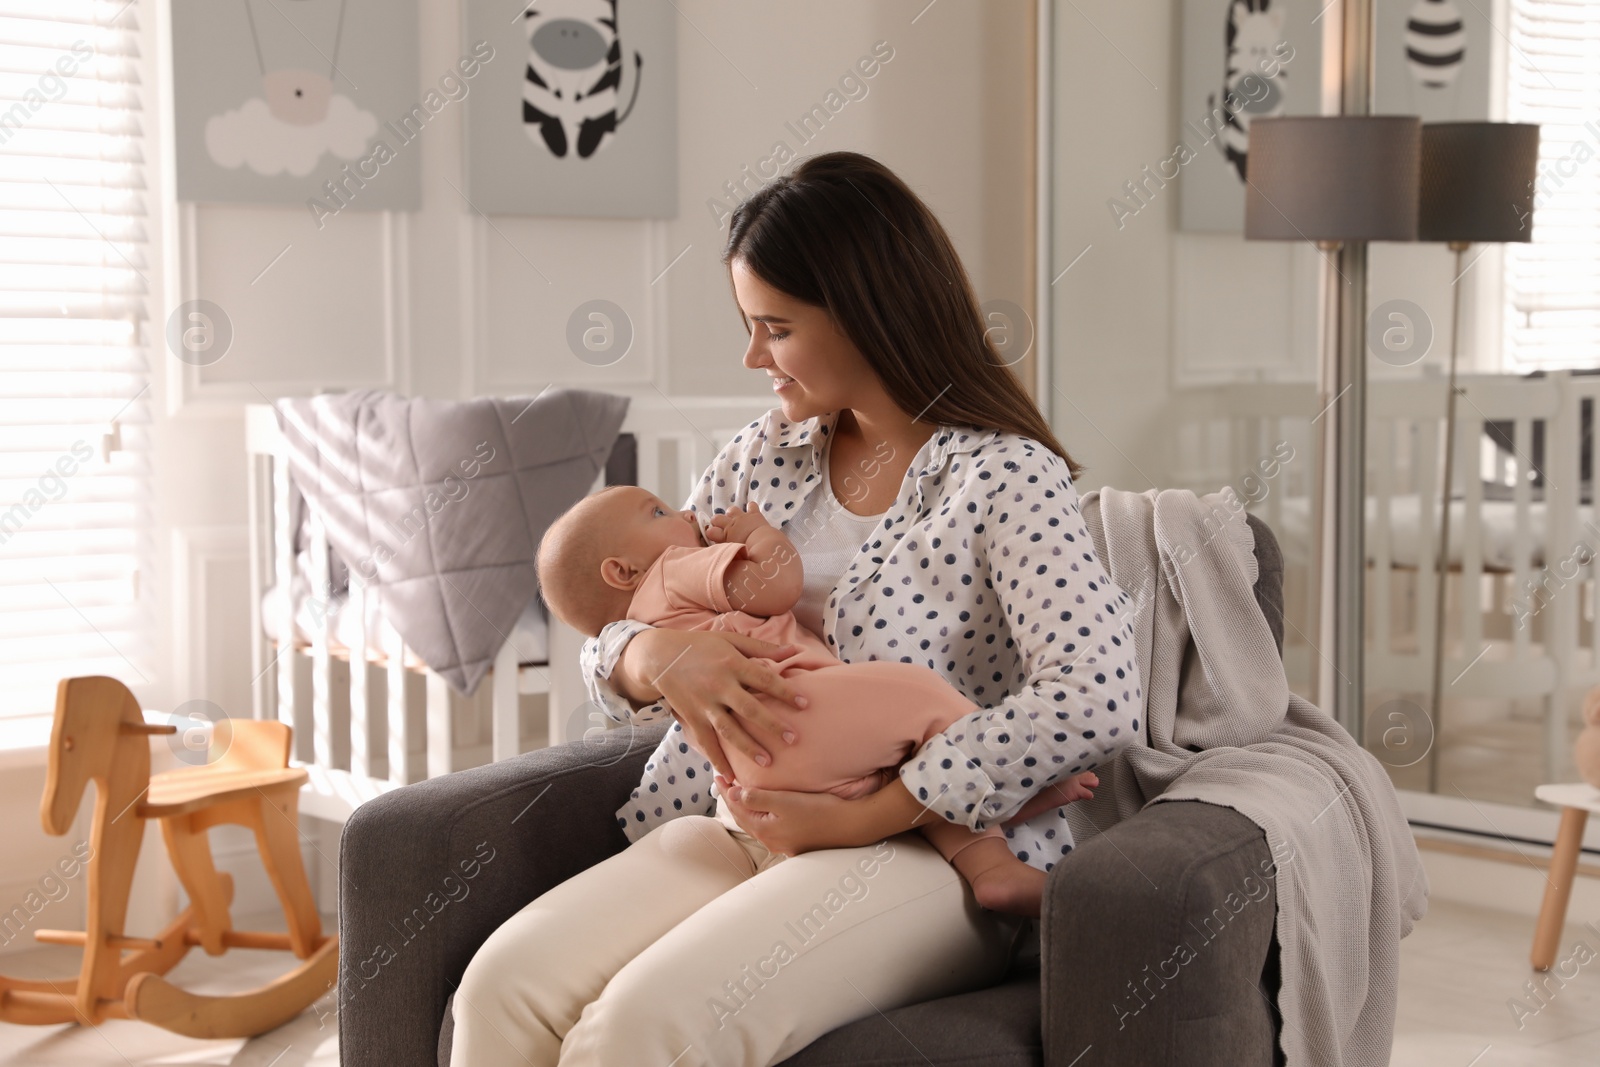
(1333, 178)
(1477, 181)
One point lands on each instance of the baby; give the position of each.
(624, 554)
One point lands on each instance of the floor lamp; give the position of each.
(1332, 180)
(1476, 186)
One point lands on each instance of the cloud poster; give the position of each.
(302, 102)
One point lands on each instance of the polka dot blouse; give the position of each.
(981, 570)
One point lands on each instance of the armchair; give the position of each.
(428, 871)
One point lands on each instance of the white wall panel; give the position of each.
(534, 273)
(310, 309)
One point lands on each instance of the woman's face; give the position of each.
(813, 366)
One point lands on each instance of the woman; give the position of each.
(937, 521)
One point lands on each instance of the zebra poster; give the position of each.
(1432, 59)
(1242, 60)
(579, 117)
(293, 102)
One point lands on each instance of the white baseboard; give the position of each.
(1516, 887)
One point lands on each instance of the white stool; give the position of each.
(1576, 801)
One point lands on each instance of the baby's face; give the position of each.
(649, 527)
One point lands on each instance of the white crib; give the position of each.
(367, 715)
(1500, 548)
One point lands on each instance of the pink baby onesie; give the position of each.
(863, 719)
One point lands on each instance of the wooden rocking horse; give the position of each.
(100, 735)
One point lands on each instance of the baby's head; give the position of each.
(592, 558)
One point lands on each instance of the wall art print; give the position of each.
(1432, 59)
(279, 101)
(580, 118)
(1242, 60)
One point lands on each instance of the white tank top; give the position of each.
(827, 536)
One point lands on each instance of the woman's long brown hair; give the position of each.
(844, 233)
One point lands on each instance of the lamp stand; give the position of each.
(1442, 563)
(1339, 532)
(1323, 586)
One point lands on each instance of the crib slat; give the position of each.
(1380, 472)
(399, 735)
(1562, 500)
(1591, 536)
(1522, 536)
(283, 553)
(1587, 532)
(1426, 474)
(360, 690)
(260, 579)
(438, 725)
(1277, 487)
(1469, 426)
(684, 471)
(650, 462)
(1253, 445)
(704, 452)
(506, 726)
(323, 618)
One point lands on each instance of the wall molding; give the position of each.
(196, 552)
(188, 395)
(650, 341)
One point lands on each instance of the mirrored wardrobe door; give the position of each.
(1179, 353)
(1481, 623)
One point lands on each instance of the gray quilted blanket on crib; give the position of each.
(438, 506)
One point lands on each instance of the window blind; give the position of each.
(74, 405)
(1552, 287)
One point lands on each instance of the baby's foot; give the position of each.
(1012, 888)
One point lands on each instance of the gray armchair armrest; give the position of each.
(428, 871)
(1156, 943)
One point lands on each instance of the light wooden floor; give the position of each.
(1458, 972)
(312, 1040)
(1461, 969)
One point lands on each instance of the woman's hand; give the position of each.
(709, 680)
(792, 822)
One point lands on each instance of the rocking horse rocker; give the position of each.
(100, 735)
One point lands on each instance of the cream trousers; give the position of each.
(695, 946)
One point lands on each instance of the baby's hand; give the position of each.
(1078, 787)
(736, 524)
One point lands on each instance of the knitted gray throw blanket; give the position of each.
(1221, 726)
